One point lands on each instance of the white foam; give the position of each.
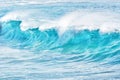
(79, 20)
(106, 22)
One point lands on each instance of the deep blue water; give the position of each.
(60, 41)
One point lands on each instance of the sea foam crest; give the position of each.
(78, 20)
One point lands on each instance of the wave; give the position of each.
(83, 45)
(83, 30)
(80, 40)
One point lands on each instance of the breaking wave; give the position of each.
(79, 44)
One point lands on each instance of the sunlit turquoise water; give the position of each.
(60, 41)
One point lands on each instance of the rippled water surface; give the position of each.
(59, 40)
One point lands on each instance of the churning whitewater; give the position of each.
(60, 40)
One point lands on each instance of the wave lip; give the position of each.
(79, 20)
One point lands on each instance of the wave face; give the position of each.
(60, 41)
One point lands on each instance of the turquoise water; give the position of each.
(69, 40)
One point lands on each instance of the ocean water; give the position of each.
(60, 40)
